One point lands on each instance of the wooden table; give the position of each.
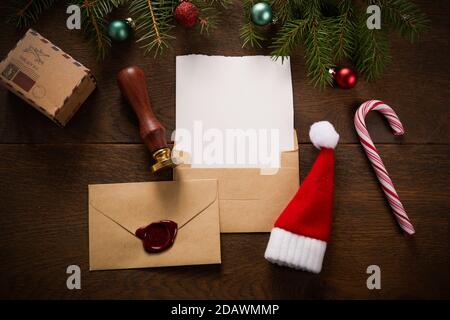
(45, 171)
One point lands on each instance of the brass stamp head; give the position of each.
(163, 160)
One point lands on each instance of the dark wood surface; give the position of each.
(45, 170)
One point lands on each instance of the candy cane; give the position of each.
(375, 159)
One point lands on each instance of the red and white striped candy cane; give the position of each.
(375, 159)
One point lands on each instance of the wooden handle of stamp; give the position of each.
(133, 86)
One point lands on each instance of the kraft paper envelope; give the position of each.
(250, 201)
(117, 210)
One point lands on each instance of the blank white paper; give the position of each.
(252, 92)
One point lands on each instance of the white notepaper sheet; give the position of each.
(216, 93)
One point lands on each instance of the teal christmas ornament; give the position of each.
(119, 30)
(261, 13)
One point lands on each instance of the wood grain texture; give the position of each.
(45, 170)
(43, 197)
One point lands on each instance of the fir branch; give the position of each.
(27, 12)
(206, 22)
(314, 31)
(208, 16)
(289, 36)
(95, 24)
(153, 19)
(319, 52)
(311, 8)
(249, 33)
(318, 44)
(251, 36)
(333, 30)
(101, 8)
(404, 16)
(372, 53)
(344, 30)
(282, 10)
(221, 3)
(95, 28)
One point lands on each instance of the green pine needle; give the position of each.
(283, 12)
(289, 37)
(319, 52)
(328, 30)
(153, 19)
(372, 52)
(316, 34)
(95, 24)
(251, 34)
(26, 12)
(328, 39)
(404, 16)
(208, 15)
(221, 3)
(343, 28)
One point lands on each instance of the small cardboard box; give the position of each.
(46, 77)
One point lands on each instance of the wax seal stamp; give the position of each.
(158, 236)
(133, 86)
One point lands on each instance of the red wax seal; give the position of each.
(158, 236)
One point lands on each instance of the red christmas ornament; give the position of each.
(186, 13)
(346, 78)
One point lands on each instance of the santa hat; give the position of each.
(300, 234)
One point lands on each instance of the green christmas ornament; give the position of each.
(261, 13)
(119, 30)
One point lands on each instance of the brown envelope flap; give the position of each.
(134, 205)
(289, 159)
(242, 183)
(233, 183)
(239, 184)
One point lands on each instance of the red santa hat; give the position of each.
(300, 234)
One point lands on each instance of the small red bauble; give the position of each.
(186, 13)
(345, 78)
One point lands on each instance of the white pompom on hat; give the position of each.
(323, 135)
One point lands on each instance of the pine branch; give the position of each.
(208, 16)
(221, 3)
(329, 30)
(372, 53)
(404, 16)
(95, 24)
(328, 38)
(289, 36)
(207, 21)
(95, 28)
(27, 12)
(319, 52)
(283, 11)
(314, 30)
(250, 34)
(153, 19)
(311, 8)
(101, 8)
(344, 30)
